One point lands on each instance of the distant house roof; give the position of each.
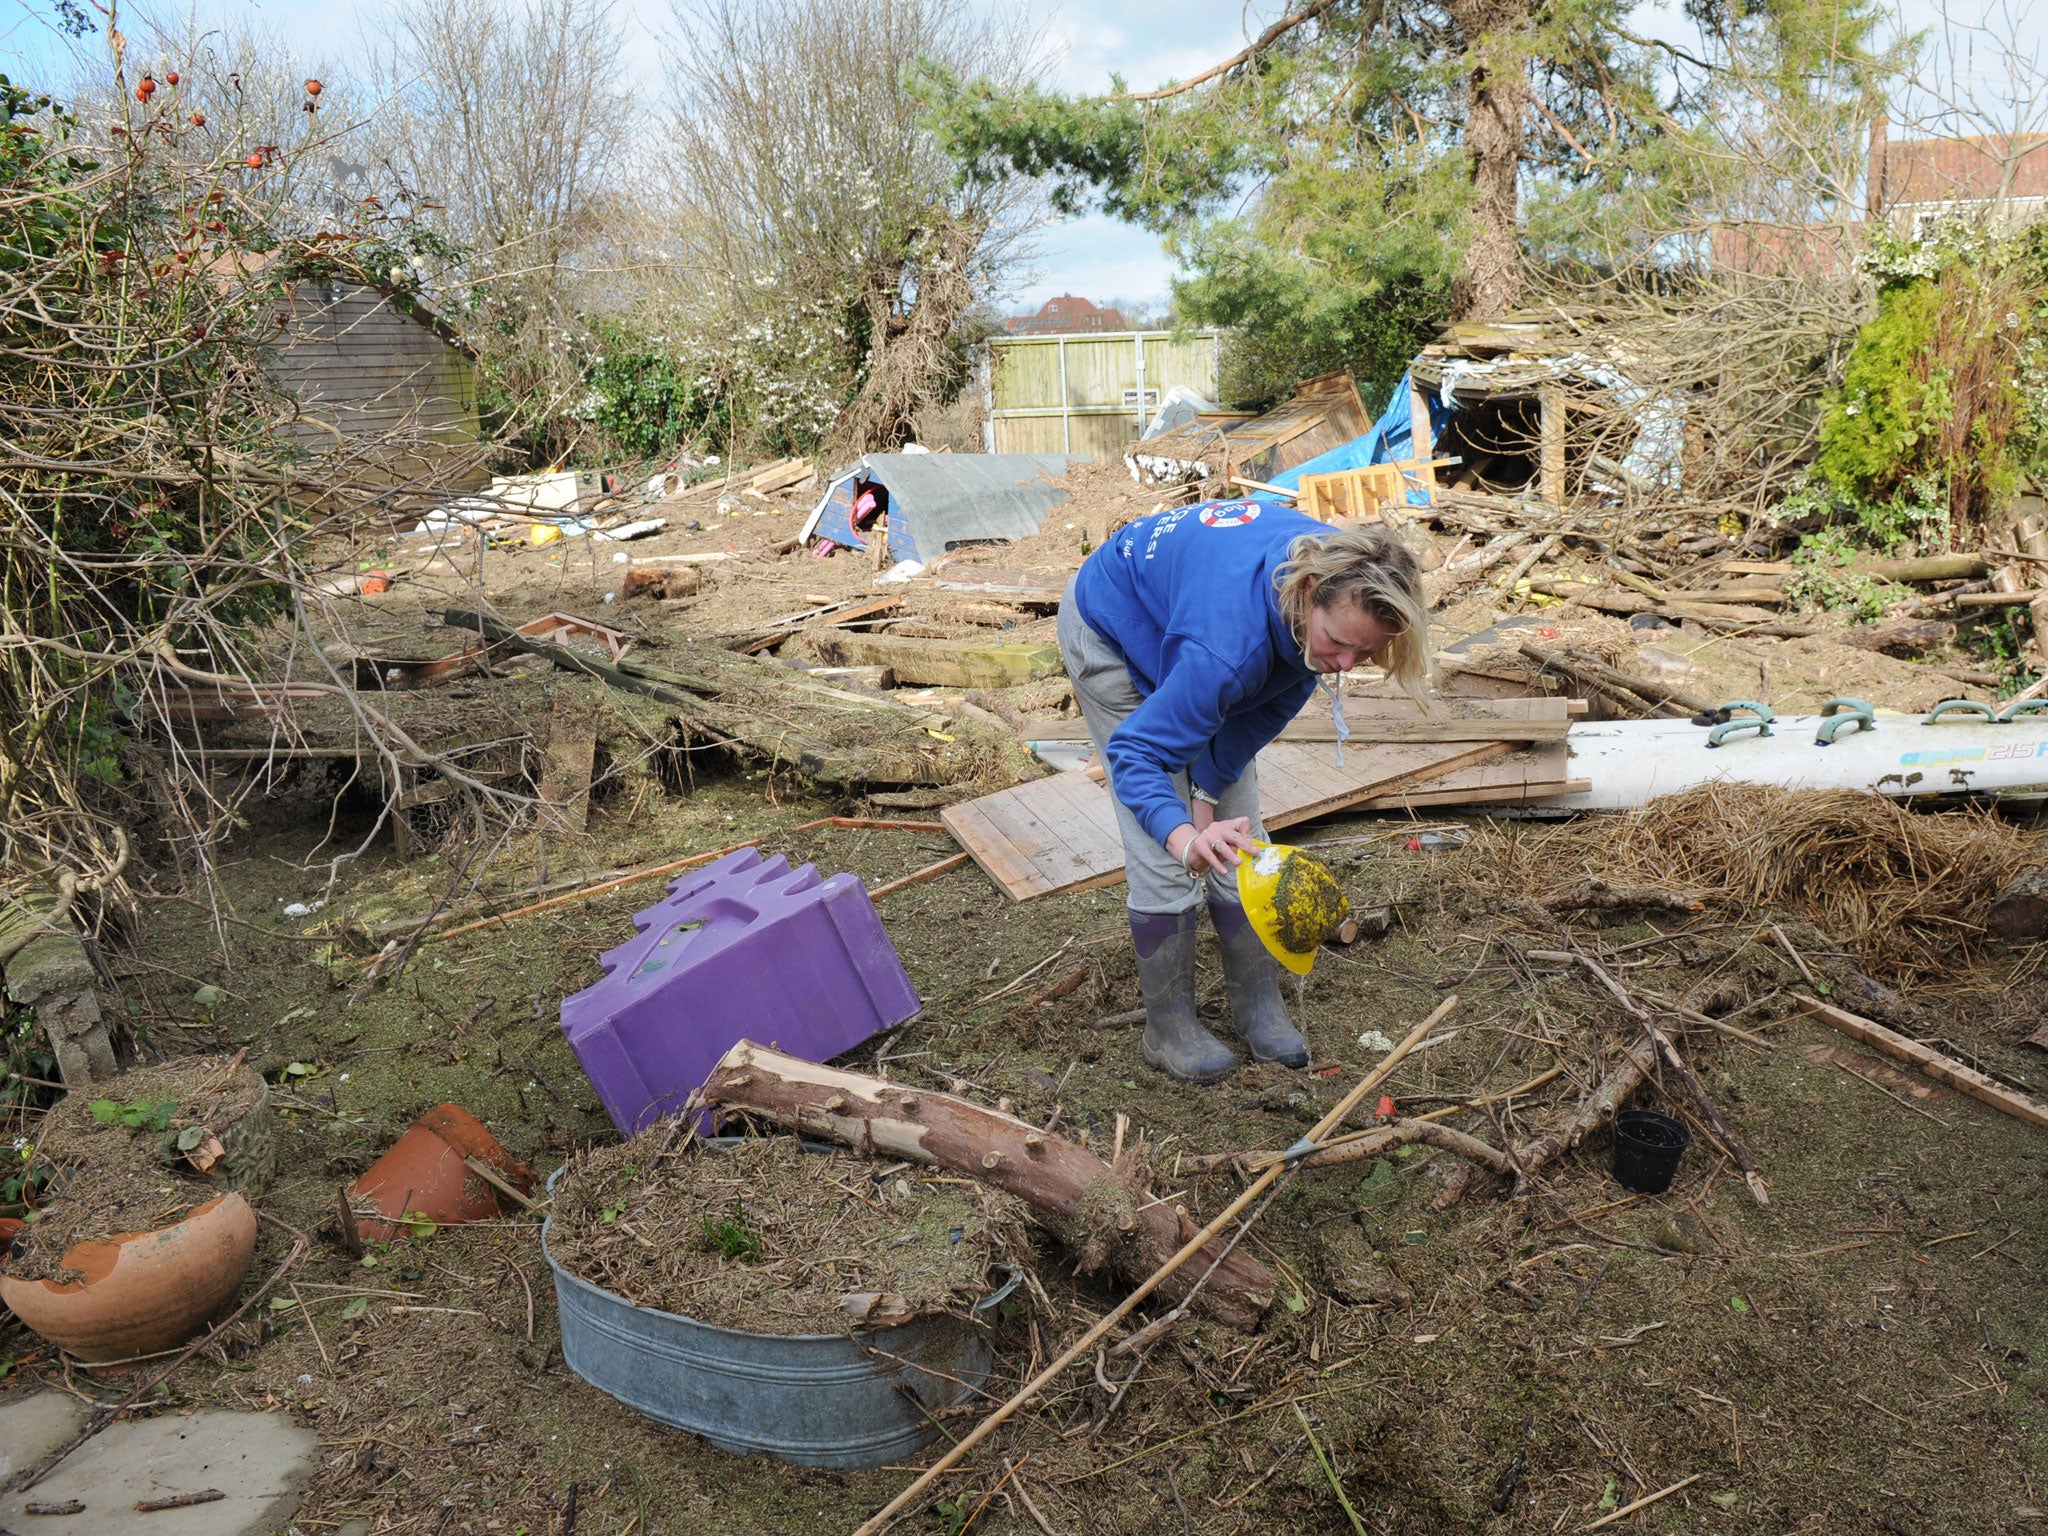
(1979, 169)
(1067, 315)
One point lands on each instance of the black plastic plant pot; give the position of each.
(1647, 1147)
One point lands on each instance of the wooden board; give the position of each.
(1937, 1066)
(1370, 731)
(1529, 774)
(1060, 833)
(1380, 719)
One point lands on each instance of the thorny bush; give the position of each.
(154, 513)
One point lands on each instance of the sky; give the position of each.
(1148, 42)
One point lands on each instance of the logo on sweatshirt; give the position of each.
(1230, 514)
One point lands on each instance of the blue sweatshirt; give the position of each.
(1187, 596)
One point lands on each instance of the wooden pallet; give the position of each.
(1060, 833)
(1360, 493)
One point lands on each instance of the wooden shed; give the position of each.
(382, 384)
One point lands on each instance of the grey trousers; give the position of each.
(1106, 694)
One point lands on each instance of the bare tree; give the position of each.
(834, 247)
(1728, 296)
(506, 127)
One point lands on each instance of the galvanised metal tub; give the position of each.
(820, 1400)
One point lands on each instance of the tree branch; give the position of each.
(1259, 45)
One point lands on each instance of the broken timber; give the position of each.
(1060, 833)
(1943, 1069)
(777, 713)
(1099, 1209)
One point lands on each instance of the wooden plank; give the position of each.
(1058, 833)
(1529, 772)
(1505, 794)
(1941, 1068)
(1370, 731)
(1391, 768)
(976, 831)
(1076, 848)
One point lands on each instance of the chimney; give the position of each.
(1874, 178)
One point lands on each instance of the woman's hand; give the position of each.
(1216, 847)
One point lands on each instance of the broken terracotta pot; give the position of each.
(425, 1172)
(9, 1227)
(141, 1291)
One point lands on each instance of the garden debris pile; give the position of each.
(766, 1236)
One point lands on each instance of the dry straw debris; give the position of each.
(1907, 889)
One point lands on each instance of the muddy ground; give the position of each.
(1867, 1352)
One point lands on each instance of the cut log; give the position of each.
(931, 663)
(2021, 911)
(1899, 637)
(1925, 568)
(1943, 1069)
(1098, 1209)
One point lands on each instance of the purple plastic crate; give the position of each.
(743, 949)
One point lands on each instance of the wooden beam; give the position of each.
(933, 663)
(1551, 474)
(1364, 733)
(1943, 1069)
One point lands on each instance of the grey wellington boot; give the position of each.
(1257, 1012)
(1175, 1041)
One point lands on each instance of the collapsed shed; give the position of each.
(1324, 414)
(1514, 407)
(918, 506)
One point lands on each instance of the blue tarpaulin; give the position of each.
(1390, 439)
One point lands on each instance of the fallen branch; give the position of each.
(929, 872)
(1097, 1208)
(1593, 895)
(1616, 692)
(1188, 1250)
(1353, 1149)
(1669, 1052)
(593, 890)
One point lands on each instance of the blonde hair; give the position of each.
(1370, 566)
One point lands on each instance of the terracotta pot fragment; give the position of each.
(425, 1171)
(142, 1291)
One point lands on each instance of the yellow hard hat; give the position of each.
(1293, 903)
